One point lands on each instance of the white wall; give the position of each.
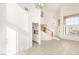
(20, 20)
(70, 8)
(11, 35)
(2, 28)
(34, 15)
(17, 19)
(17, 16)
(61, 30)
(50, 19)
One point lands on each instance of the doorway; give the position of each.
(11, 40)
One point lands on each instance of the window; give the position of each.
(72, 20)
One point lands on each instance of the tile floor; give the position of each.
(54, 47)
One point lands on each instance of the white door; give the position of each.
(11, 40)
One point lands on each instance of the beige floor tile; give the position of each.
(54, 47)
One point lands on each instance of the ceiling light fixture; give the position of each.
(40, 5)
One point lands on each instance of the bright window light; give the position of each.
(72, 21)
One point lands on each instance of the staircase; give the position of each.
(47, 33)
(46, 30)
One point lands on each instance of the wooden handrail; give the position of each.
(75, 14)
(46, 30)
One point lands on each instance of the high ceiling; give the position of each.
(49, 6)
(52, 8)
(55, 8)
